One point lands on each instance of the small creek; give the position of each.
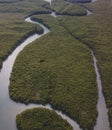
(9, 109)
(102, 119)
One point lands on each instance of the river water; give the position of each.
(9, 109)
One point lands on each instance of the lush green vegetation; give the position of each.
(13, 27)
(41, 119)
(58, 71)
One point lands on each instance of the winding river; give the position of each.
(9, 109)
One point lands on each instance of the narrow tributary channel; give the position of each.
(9, 109)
